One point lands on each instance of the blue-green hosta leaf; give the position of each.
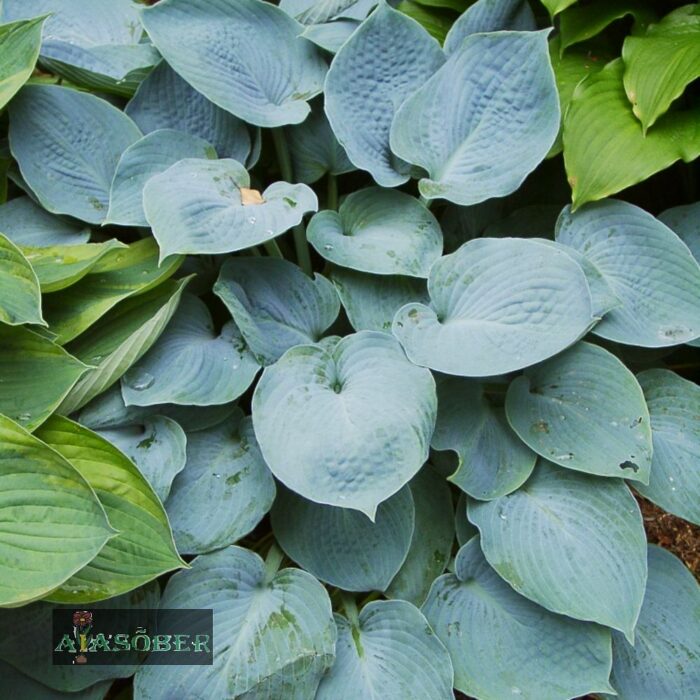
(35, 375)
(584, 410)
(244, 55)
(27, 224)
(663, 663)
(67, 145)
(315, 151)
(380, 231)
(463, 528)
(19, 49)
(165, 101)
(225, 490)
(28, 653)
(492, 460)
(433, 535)
(275, 632)
(275, 305)
(156, 446)
(128, 273)
(121, 339)
(343, 547)
(143, 548)
(503, 646)
(646, 265)
(354, 463)
(26, 688)
(314, 11)
(571, 542)
(481, 141)
(490, 16)
(381, 64)
(683, 220)
(51, 522)
(493, 310)
(149, 156)
(674, 405)
(20, 295)
(192, 364)
(389, 652)
(331, 35)
(206, 206)
(371, 301)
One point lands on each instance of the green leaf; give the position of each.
(584, 410)
(19, 49)
(343, 547)
(556, 6)
(463, 528)
(26, 688)
(275, 631)
(503, 646)
(51, 522)
(661, 63)
(600, 121)
(354, 463)
(388, 652)
(144, 548)
(35, 375)
(571, 542)
(20, 296)
(436, 22)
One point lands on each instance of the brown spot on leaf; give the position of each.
(250, 197)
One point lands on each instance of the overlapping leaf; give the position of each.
(20, 295)
(19, 49)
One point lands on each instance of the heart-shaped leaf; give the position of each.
(481, 141)
(244, 55)
(344, 547)
(19, 49)
(380, 231)
(225, 490)
(20, 295)
(585, 551)
(502, 645)
(196, 205)
(275, 304)
(492, 311)
(275, 632)
(354, 463)
(377, 68)
(584, 410)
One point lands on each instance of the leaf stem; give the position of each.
(272, 249)
(350, 607)
(425, 201)
(272, 561)
(332, 192)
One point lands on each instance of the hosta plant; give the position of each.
(305, 320)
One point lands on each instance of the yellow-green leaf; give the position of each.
(20, 297)
(19, 50)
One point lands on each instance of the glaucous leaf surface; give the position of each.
(331, 35)
(52, 523)
(27, 224)
(246, 56)
(165, 101)
(143, 548)
(433, 536)
(19, 49)
(26, 688)
(224, 491)
(683, 220)
(275, 630)
(20, 295)
(67, 144)
(319, 11)
(599, 120)
(275, 305)
(149, 156)
(490, 16)
(503, 645)
(649, 269)
(584, 410)
(191, 363)
(377, 68)
(492, 461)
(371, 301)
(571, 542)
(35, 373)
(389, 652)
(354, 463)
(380, 231)
(674, 405)
(663, 663)
(206, 206)
(481, 141)
(156, 446)
(341, 546)
(493, 310)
